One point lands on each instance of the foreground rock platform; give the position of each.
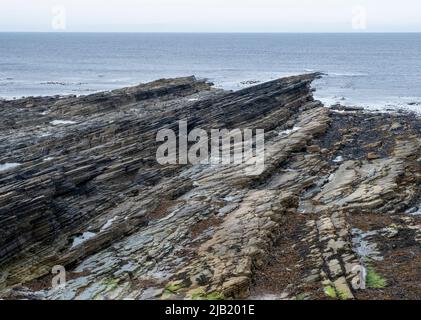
(336, 213)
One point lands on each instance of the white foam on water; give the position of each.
(348, 74)
(388, 105)
(7, 166)
(338, 159)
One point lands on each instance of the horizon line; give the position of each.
(224, 32)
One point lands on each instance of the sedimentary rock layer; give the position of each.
(80, 186)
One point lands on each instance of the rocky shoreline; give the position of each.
(338, 203)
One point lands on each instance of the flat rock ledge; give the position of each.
(336, 213)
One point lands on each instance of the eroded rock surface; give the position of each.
(338, 200)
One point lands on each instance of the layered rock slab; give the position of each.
(90, 179)
(88, 193)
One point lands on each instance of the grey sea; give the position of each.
(372, 70)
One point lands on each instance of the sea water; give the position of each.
(373, 70)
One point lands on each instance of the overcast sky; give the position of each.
(211, 15)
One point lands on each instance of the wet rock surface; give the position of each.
(333, 215)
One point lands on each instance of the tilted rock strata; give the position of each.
(89, 194)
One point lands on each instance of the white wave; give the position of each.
(348, 74)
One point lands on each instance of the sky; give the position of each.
(210, 15)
